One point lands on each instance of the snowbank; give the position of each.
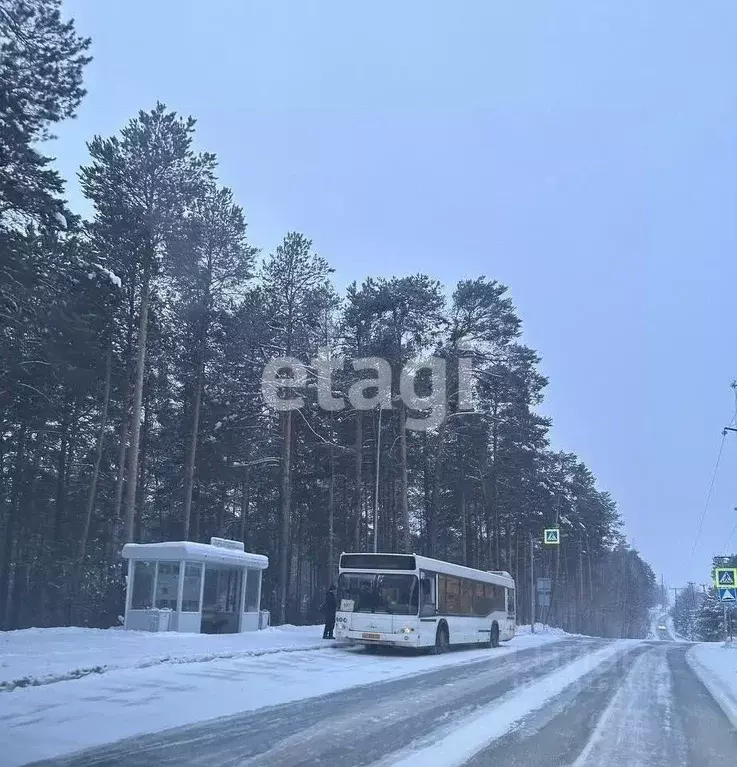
(543, 630)
(716, 665)
(32, 657)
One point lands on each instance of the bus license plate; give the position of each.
(371, 636)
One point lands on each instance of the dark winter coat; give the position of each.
(330, 605)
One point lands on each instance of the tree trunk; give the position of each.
(61, 478)
(516, 556)
(427, 488)
(435, 505)
(404, 488)
(10, 524)
(286, 455)
(331, 516)
(143, 464)
(197, 490)
(192, 445)
(22, 551)
(28, 530)
(494, 494)
(130, 489)
(120, 480)
(92, 494)
(18, 592)
(56, 583)
(221, 510)
(245, 503)
(464, 530)
(358, 489)
(124, 422)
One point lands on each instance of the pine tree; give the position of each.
(212, 263)
(295, 288)
(141, 184)
(708, 619)
(41, 63)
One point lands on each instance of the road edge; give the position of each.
(716, 689)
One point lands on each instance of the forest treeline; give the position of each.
(132, 345)
(698, 614)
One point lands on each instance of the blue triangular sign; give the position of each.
(728, 595)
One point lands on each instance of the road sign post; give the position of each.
(532, 584)
(543, 595)
(726, 630)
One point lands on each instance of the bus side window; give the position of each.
(427, 595)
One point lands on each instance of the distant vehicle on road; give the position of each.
(406, 600)
(661, 627)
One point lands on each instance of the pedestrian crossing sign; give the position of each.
(551, 536)
(725, 577)
(727, 595)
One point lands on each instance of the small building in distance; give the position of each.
(184, 586)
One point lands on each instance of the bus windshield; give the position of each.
(373, 593)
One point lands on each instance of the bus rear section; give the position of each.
(406, 600)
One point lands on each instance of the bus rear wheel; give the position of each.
(441, 641)
(494, 635)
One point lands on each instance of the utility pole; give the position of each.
(532, 583)
(726, 629)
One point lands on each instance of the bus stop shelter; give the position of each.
(184, 586)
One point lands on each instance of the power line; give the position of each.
(729, 540)
(708, 495)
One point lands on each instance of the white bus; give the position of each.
(412, 601)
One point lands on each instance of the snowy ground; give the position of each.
(716, 665)
(42, 656)
(67, 689)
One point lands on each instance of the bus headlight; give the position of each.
(406, 630)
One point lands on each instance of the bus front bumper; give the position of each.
(410, 639)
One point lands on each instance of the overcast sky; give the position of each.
(585, 154)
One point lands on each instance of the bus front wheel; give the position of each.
(494, 635)
(441, 640)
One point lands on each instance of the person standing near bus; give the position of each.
(329, 606)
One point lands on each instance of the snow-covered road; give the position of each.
(542, 702)
(577, 702)
(644, 708)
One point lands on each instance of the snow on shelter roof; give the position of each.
(194, 552)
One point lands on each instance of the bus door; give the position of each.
(428, 594)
